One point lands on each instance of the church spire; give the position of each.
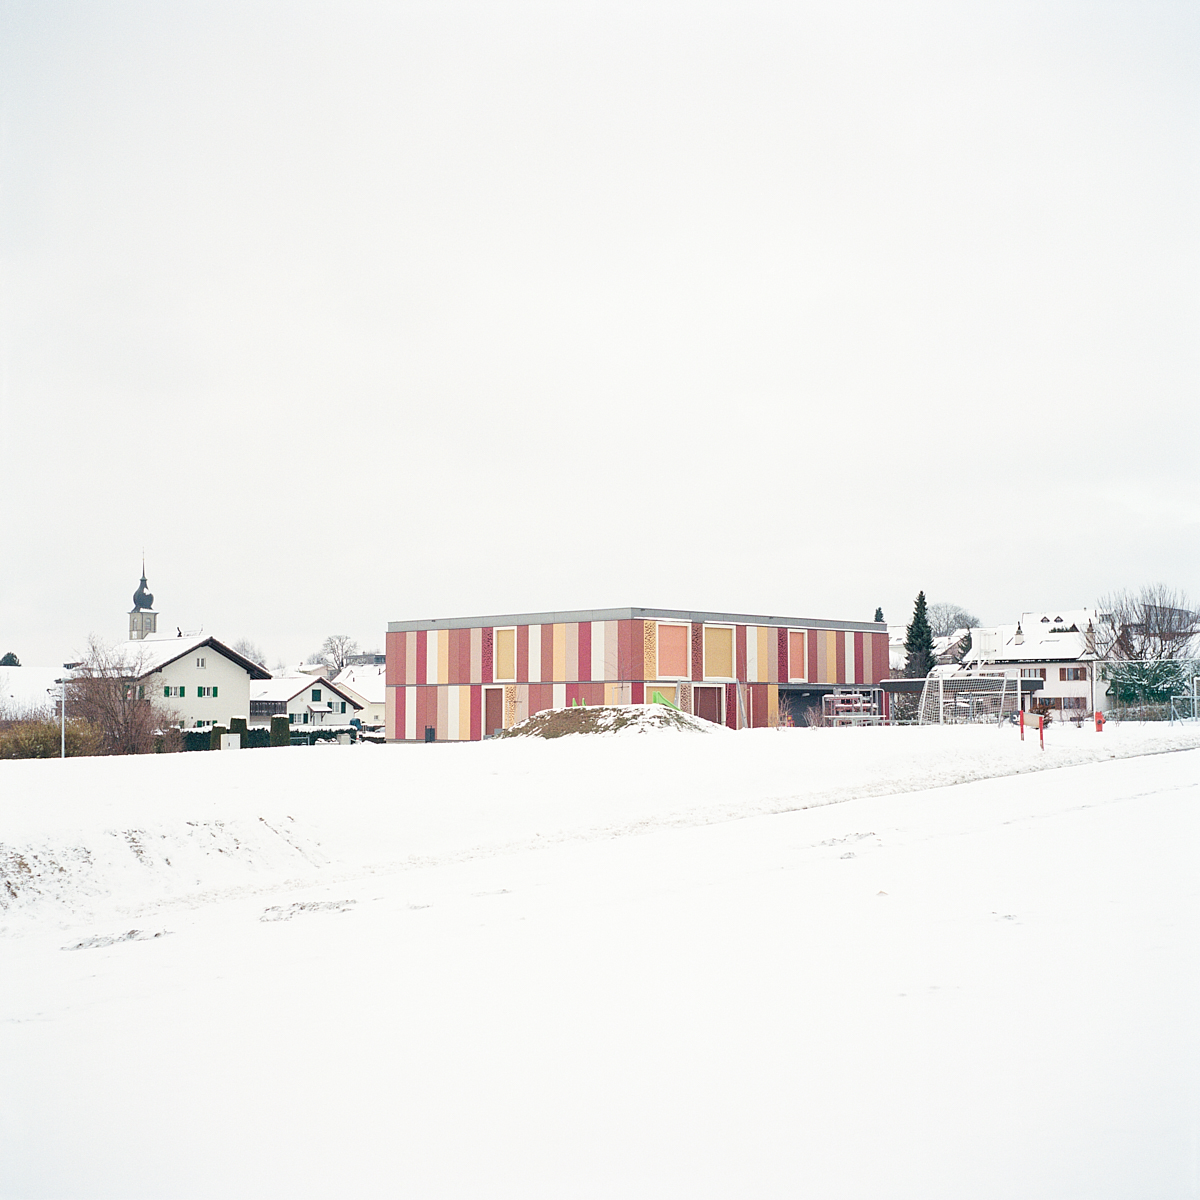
(143, 621)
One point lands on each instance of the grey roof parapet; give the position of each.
(632, 614)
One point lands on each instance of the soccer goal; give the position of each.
(969, 699)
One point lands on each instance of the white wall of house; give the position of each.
(298, 707)
(231, 683)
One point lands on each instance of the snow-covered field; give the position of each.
(829, 963)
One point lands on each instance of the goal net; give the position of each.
(967, 699)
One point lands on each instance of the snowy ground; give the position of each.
(837, 963)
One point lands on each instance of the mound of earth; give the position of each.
(609, 718)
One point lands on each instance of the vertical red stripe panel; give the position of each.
(595, 693)
(731, 705)
(697, 651)
(812, 660)
(858, 659)
(840, 677)
(397, 696)
(624, 656)
(476, 711)
(522, 653)
(739, 664)
(879, 660)
(464, 656)
(419, 705)
(547, 654)
(584, 673)
(759, 704)
(422, 656)
(637, 692)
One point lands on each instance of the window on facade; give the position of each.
(316, 695)
(1033, 672)
(200, 663)
(1074, 702)
(1072, 673)
(505, 642)
(673, 651)
(796, 654)
(718, 653)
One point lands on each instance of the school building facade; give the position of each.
(466, 677)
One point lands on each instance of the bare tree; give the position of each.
(336, 650)
(1154, 622)
(109, 693)
(248, 649)
(945, 619)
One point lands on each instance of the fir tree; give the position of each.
(879, 614)
(10, 660)
(918, 644)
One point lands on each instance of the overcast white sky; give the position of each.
(349, 313)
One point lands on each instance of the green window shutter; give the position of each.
(214, 692)
(182, 692)
(166, 691)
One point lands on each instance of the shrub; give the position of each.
(197, 739)
(238, 725)
(42, 739)
(214, 736)
(281, 731)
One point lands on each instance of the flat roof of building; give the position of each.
(633, 614)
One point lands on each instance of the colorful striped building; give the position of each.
(468, 676)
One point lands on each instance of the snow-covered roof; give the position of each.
(153, 653)
(369, 682)
(287, 687)
(1055, 635)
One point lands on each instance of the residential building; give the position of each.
(1059, 646)
(367, 684)
(199, 679)
(303, 699)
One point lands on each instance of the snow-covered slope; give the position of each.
(769, 964)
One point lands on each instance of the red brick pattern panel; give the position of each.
(731, 705)
(781, 640)
(487, 655)
(394, 646)
(879, 660)
(476, 712)
(697, 651)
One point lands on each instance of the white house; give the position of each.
(303, 699)
(201, 680)
(367, 684)
(1062, 647)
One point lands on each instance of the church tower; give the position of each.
(143, 621)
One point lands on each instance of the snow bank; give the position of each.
(123, 836)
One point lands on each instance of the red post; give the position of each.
(1099, 722)
(1042, 730)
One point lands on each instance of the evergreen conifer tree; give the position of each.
(10, 660)
(879, 614)
(918, 644)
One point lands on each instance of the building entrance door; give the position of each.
(707, 703)
(493, 710)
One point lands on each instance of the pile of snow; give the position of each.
(610, 718)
